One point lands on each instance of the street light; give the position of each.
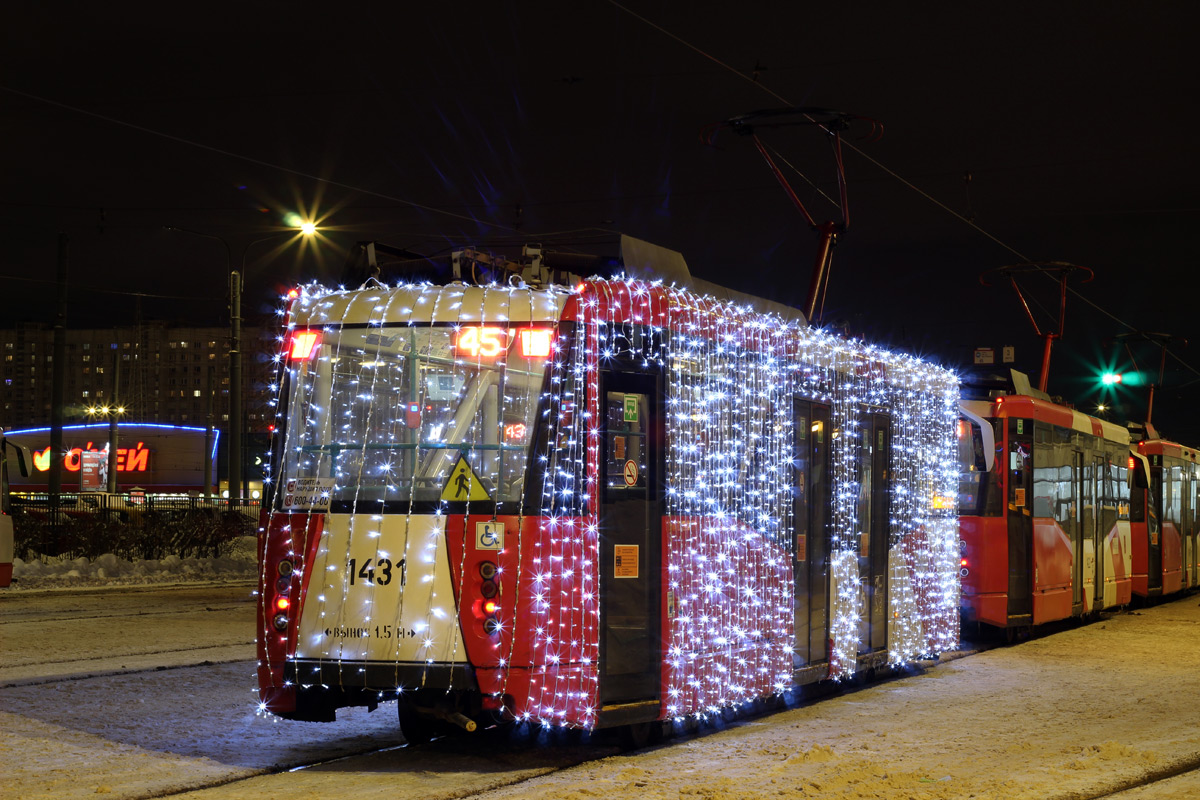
(235, 345)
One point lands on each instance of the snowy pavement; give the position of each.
(1082, 713)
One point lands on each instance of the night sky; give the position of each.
(493, 124)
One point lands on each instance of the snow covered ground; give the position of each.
(109, 570)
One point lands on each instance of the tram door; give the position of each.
(1019, 478)
(1081, 531)
(1154, 521)
(630, 539)
(1101, 498)
(810, 514)
(874, 455)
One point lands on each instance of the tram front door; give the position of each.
(630, 539)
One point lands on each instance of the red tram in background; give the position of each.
(1063, 514)
(608, 505)
(1164, 500)
(1045, 520)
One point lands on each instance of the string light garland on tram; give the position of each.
(729, 634)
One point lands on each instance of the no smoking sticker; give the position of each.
(631, 473)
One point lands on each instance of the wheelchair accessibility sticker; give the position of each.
(489, 535)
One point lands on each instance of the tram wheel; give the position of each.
(416, 727)
(641, 734)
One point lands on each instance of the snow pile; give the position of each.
(241, 562)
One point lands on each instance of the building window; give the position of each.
(87, 358)
(196, 393)
(84, 393)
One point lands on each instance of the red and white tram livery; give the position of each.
(1165, 499)
(1044, 505)
(601, 506)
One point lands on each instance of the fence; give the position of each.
(129, 526)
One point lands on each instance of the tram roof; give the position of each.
(1168, 449)
(1021, 406)
(428, 303)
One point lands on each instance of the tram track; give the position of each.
(1162, 775)
(89, 674)
(118, 614)
(446, 767)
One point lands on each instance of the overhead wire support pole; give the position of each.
(1064, 271)
(832, 123)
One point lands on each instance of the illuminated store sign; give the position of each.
(131, 459)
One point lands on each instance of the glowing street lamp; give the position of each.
(305, 228)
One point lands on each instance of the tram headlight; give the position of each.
(280, 622)
(487, 570)
(491, 626)
(285, 568)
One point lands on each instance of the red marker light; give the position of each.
(963, 563)
(1132, 462)
(535, 342)
(304, 344)
(282, 603)
(489, 607)
(293, 294)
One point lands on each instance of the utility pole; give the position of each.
(208, 435)
(113, 404)
(235, 386)
(58, 380)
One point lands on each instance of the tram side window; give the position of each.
(1117, 482)
(626, 446)
(1172, 493)
(1020, 450)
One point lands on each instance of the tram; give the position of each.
(1044, 504)
(1165, 498)
(13, 457)
(611, 503)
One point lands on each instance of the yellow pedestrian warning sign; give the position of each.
(463, 485)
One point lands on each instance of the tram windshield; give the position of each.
(384, 413)
(978, 489)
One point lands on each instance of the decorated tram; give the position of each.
(603, 504)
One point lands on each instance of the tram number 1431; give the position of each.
(376, 572)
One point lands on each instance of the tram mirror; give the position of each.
(20, 456)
